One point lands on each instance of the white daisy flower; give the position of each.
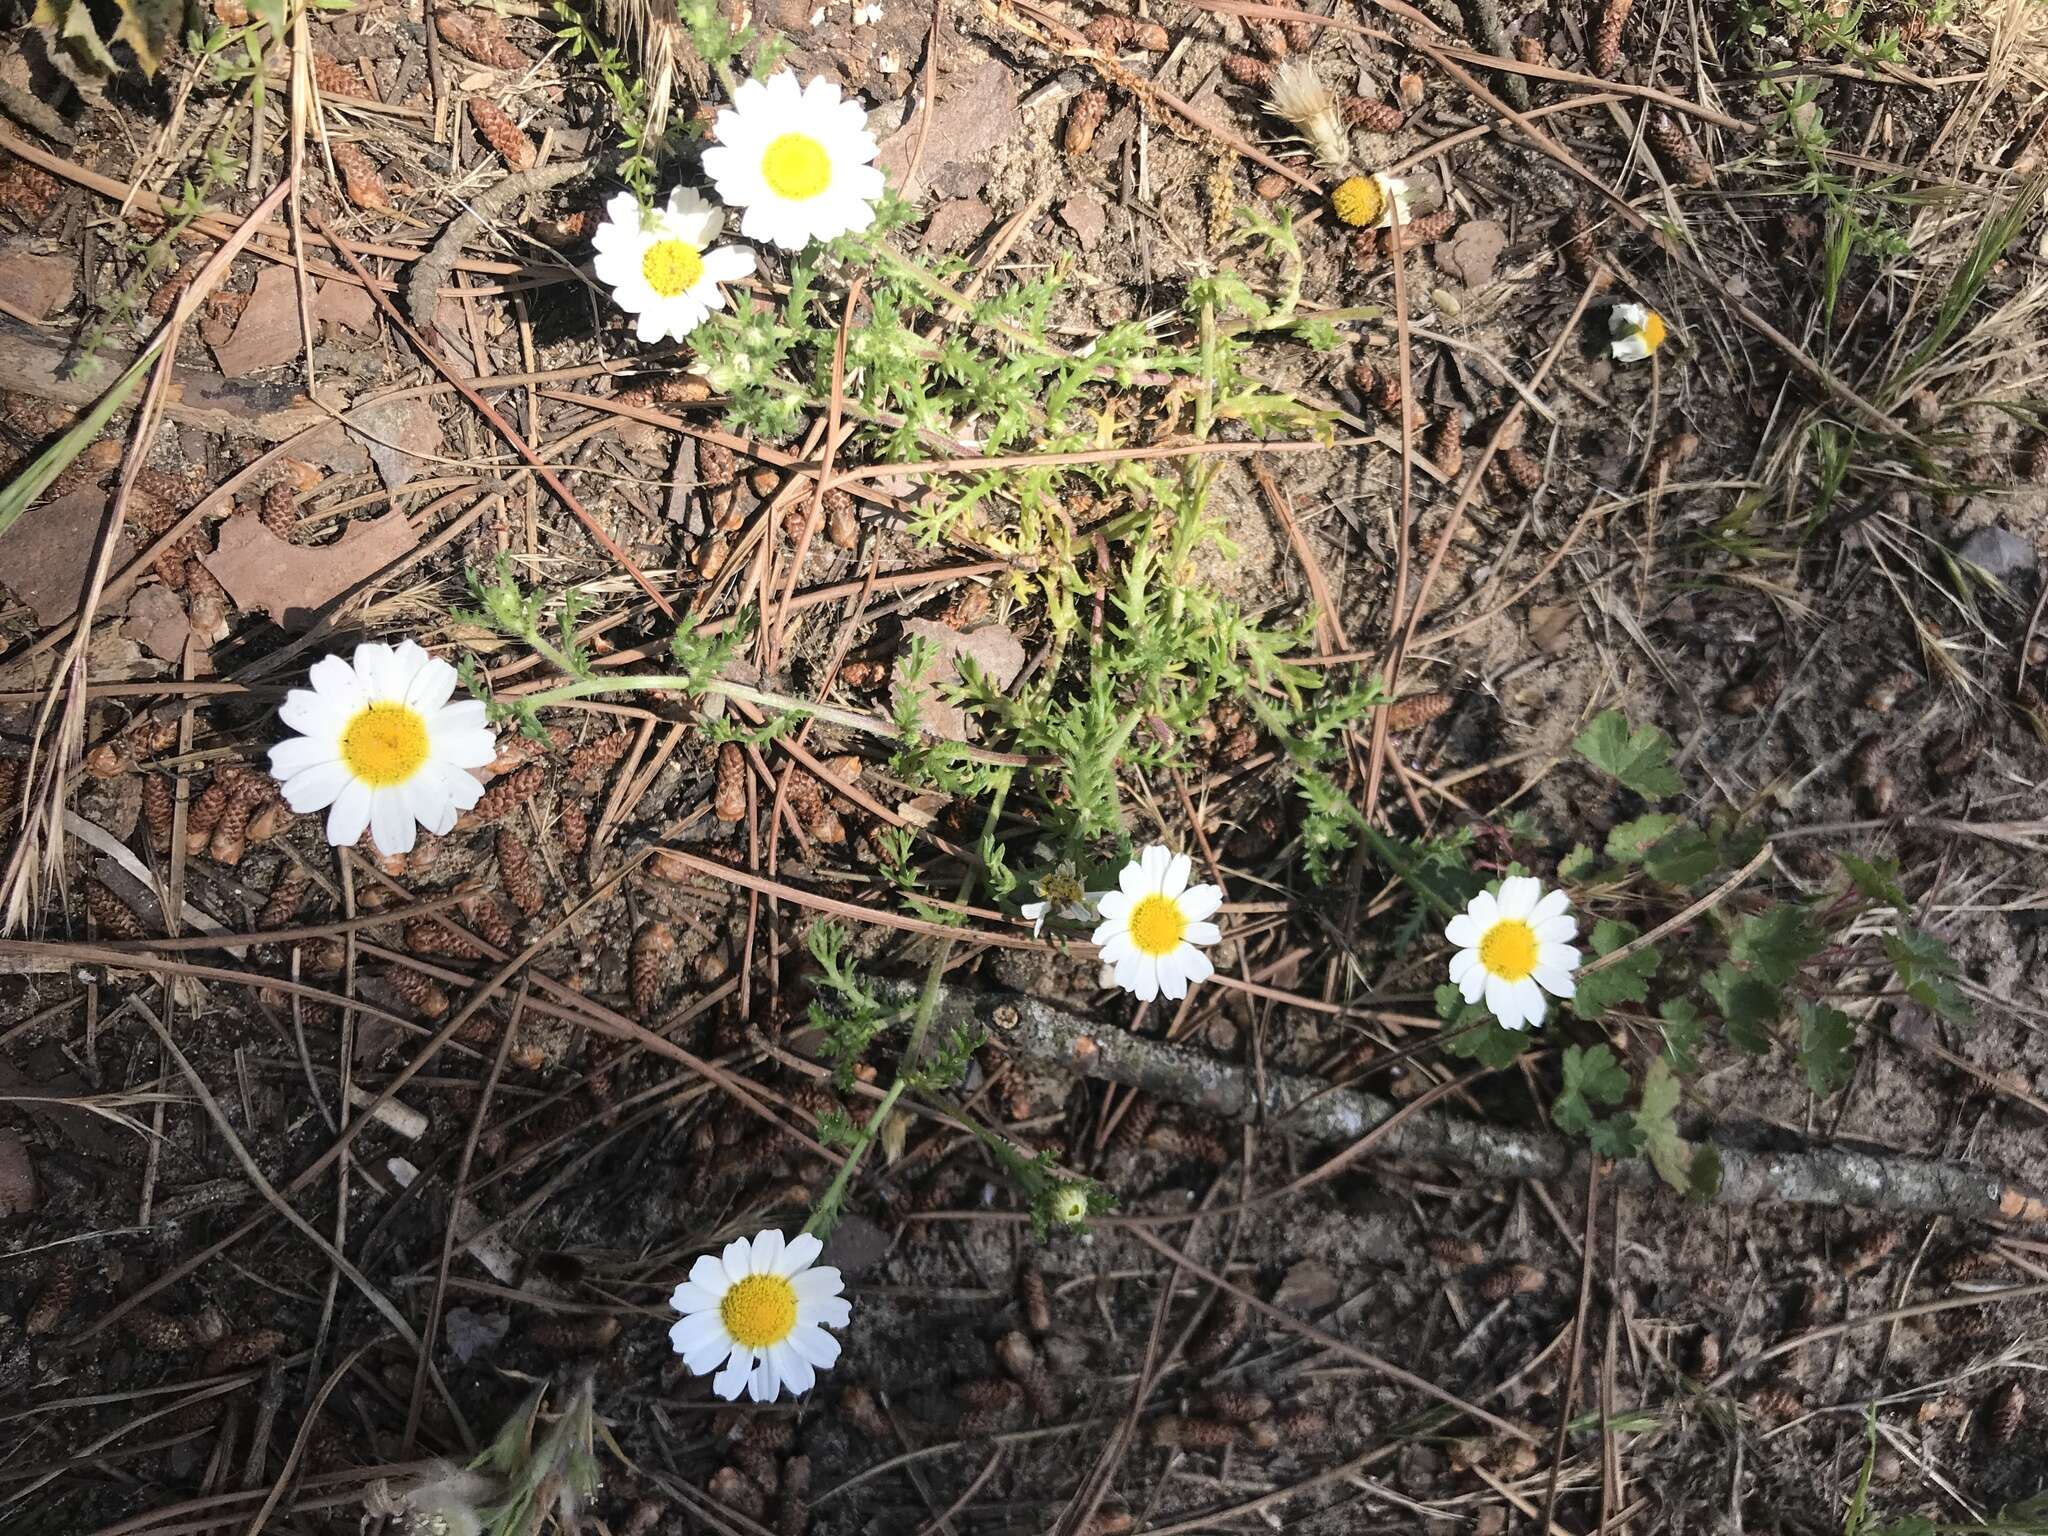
(797, 159)
(762, 1310)
(1636, 332)
(1513, 948)
(659, 264)
(381, 746)
(1153, 923)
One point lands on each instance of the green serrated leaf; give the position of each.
(1616, 1137)
(1704, 1178)
(1827, 1038)
(1628, 982)
(1639, 758)
(1776, 942)
(1629, 841)
(1683, 1029)
(1927, 970)
(1657, 1118)
(1577, 864)
(1684, 858)
(1595, 1074)
(1749, 1006)
(1474, 1034)
(1877, 879)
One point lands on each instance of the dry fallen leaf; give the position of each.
(268, 333)
(157, 622)
(292, 582)
(47, 556)
(998, 653)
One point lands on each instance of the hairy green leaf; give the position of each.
(1927, 970)
(1630, 840)
(1628, 982)
(1684, 858)
(1683, 1029)
(1749, 1006)
(1657, 1117)
(1639, 758)
(1776, 942)
(1877, 879)
(1827, 1039)
(1591, 1076)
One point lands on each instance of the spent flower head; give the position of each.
(1635, 331)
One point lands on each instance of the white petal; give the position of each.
(463, 789)
(1462, 964)
(1200, 901)
(689, 1296)
(377, 666)
(1173, 976)
(295, 754)
(1530, 1001)
(832, 1311)
(1203, 933)
(1473, 985)
(729, 263)
(1194, 965)
(815, 1285)
(815, 1345)
(1518, 896)
(391, 823)
(793, 1368)
(1629, 349)
(1550, 906)
(427, 802)
(767, 1250)
(1155, 861)
(349, 815)
(1462, 931)
(801, 1252)
(461, 715)
(764, 1383)
(1558, 957)
(316, 788)
(1483, 910)
(1555, 930)
(1178, 870)
(1556, 982)
(334, 678)
(1117, 947)
(1626, 319)
(1146, 979)
(692, 1334)
(707, 1357)
(738, 1259)
(1113, 906)
(732, 1381)
(1500, 1001)
(709, 1276)
(318, 715)
(464, 749)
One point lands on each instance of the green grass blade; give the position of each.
(25, 487)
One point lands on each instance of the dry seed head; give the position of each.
(653, 953)
(1887, 690)
(55, 1298)
(1300, 96)
(1706, 1356)
(1220, 1335)
(1530, 50)
(280, 511)
(1416, 711)
(1034, 1298)
(1456, 1252)
(1512, 1280)
(1774, 1400)
(1446, 444)
(735, 1490)
(360, 178)
(1187, 1433)
(518, 872)
(159, 809)
(1674, 146)
(1239, 1407)
(335, 78)
(111, 913)
(842, 519)
(591, 760)
(1671, 453)
(287, 894)
(575, 829)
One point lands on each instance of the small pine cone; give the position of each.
(159, 809)
(1386, 395)
(1364, 250)
(1706, 1356)
(989, 1405)
(1110, 33)
(1455, 1252)
(1363, 378)
(280, 511)
(429, 1000)
(864, 1413)
(55, 1298)
(1953, 753)
(1512, 1280)
(27, 192)
(1178, 1431)
(1872, 1251)
(1757, 692)
(285, 899)
(1222, 1332)
(1446, 445)
(842, 519)
(207, 601)
(478, 34)
(12, 770)
(231, 13)
(1135, 1125)
(1238, 1407)
(425, 936)
(864, 672)
(1249, 69)
(575, 829)
(1887, 690)
(1019, 1356)
(737, 1491)
(1530, 50)
(589, 762)
(1425, 230)
(1372, 116)
(585, 1335)
(1971, 1264)
(1271, 39)
(1416, 710)
(1607, 36)
(360, 178)
(335, 78)
(172, 288)
(1035, 1299)
(1774, 1400)
(155, 1333)
(1270, 186)
(111, 913)
(1870, 776)
(2007, 1411)
(1084, 121)
(793, 1514)
(507, 795)
(238, 1351)
(1575, 239)
(518, 872)
(1674, 146)
(729, 798)
(1303, 1428)
(490, 921)
(1190, 1146)
(495, 127)
(1523, 469)
(652, 955)
(969, 605)
(205, 812)
(716, 464)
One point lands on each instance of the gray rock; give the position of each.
(1998, 552)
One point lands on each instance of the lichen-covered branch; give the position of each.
(1303, 1106)
(432, 271)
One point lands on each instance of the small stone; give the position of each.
(38, 286)
(1998, 552)
(1307, 1288)
(18, 1189)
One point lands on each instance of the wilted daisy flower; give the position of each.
(1376, 201)
(659, 262)
(762, 1310)
(1152, 924)
(1636, 332)
(381, 746)
(1063, 894)
(797, 158)
(1512, 948)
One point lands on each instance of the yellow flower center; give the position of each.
(1508, 949)
(1358, 201)
(1652, 330)
(759, 1311)
(385, 744)
(796, 167)
(1157, 926)
(672, 267)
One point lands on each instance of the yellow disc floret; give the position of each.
(1157, 925)
(672, 267)
(1358, 201)
(1652, 331)
(1508, 949)
(385, 744)
(759, 1311)
(796, 167)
